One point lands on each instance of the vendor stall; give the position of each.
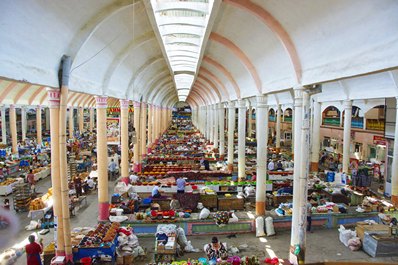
(7, 186)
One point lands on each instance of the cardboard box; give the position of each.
(362, 227)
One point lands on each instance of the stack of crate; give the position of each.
(22, 197)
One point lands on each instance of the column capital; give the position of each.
(231, 104)
(347, 104)
(54, 97)
(124, 103)
(220, 105)
(241, 104)
(101, 102)
(12, 106)
(144, 105)
(39, 107)
(136, 104)
(262, 101)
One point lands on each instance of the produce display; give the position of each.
(103, 235)
(41, 202)
(8, 182)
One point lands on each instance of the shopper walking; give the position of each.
(33, 251)
(112, 169)
(31, 180)
(181, 185)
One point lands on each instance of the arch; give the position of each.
(85, 103)
(83, 99)
(88, 29)
(274, 25)
(205, 96)
(206, 92)
(160, 96)
(165, 79)
(144, 68)
(72, 99)
(43, 98)
(158, 87)
(210, 91)
(21, 92)
(92, 102)
(35, 94)
(215, 78)
(164, 72)
(288, 115)
(7, 90)
(198, 96)
(375, 122)
(331, 116)
(227, 74)
(125, 52)
(241, 56)
(211, 83)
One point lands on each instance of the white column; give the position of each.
(215, 125)
(347, 134)
(124, 139)
(315, 139)
(91, 119)
(39, 134)
(298, 114)
(71, 122)
(394, 166)
(304, 170)
(278, 127)
(222, 128)
(262, 139)
(23, 122)
(3, 125)
(241, 139)
(211, 121)
(249, 121)
(208, 122)
(47, 119)
(231, 130)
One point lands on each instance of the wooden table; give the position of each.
(209, 201)
(230, 203)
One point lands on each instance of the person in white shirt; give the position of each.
(271, 165)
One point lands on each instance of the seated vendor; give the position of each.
(156, 191)
(216, 250)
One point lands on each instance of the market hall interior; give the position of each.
(144, 115)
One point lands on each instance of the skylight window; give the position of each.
(182, 26)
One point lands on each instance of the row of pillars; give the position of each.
(210, 121)
(39, 130)
(158, 121)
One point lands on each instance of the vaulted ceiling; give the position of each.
(201, 51)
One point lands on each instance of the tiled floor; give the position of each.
(321, 245)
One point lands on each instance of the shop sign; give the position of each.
(380, 140)
(113, 130)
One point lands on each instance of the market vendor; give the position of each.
(31, 180)
(133, 179)
(181, 185)
(33, 251)
(216, 250)
(156, 191)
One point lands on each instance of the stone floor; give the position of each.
(322, 245)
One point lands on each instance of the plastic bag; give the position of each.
(233, 219)
(269, 226)
(354, 243)
(345, 235)
(204, 213)
(260, 226)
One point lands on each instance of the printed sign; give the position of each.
(113, 130)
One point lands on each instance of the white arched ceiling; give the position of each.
(116, 50)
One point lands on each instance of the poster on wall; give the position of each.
(113, 130)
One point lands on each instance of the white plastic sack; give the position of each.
(204, 213)
(260, 226)
(118, 219)
(181, 238)
(32, 225)
(269, 226)
(345, 235)
(233, 219)
(190, 248)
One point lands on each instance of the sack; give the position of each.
(233, 219)
(354, 243)
(269, 226)
(345, 235)
(260, 226)
(204, 213)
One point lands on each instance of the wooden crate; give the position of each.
(209, 200)
(361, 228)
(231, 203)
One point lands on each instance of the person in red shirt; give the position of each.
(31, 180)
(33, 251)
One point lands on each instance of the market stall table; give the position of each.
(230, 203)
(8, 188)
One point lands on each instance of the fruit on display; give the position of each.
(7, 182)
(103, 234)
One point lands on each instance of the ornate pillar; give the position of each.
(249, 121)
(47, 111)
(124, 128)
(222, 129)
(38, 126)
(278, 128)
(347, 134)
(231, 131)
(91, 119)
(298, 115)
(137, 145)
(241, 139)
(71, 123)
(81, 119)
(315, 139)
(143, 130)
(102, 159)
(13, 129)
(3, 125)
(23, 122)
(394, 166)
(262, 140)
(215, 125)
(53, 104)
(150, 127)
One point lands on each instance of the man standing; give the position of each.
(31, 180)
(271, 166)
(33, 251)
(112, 169)
(181, 185)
